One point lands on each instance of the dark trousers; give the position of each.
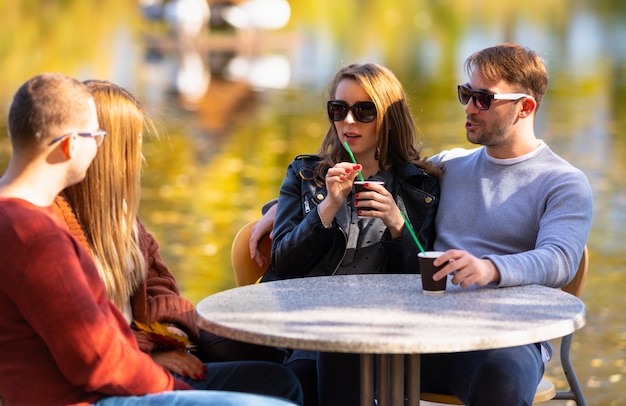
(507, 376)
(212, 348)
(259, 377)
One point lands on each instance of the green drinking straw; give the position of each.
(345, 144)
(408, 225)
(406, 221)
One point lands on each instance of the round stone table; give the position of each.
(388, 317)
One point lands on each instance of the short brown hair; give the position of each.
(516, 65)
(44, 105)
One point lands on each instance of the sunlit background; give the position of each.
(238, 90)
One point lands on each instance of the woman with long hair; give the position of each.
(102, 214)
(324, 227)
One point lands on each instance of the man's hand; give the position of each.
(466, 269)
(384, 207)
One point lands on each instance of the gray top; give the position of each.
(388, 314)
(529, 215)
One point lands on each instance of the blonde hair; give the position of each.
(106, 202)
(396, 134)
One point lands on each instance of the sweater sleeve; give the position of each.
(563, 230)
(163, 302)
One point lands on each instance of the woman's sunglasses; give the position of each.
(364, 112)
(482, 100)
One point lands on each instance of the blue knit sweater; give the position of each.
(529, 215)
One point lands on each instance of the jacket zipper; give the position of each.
(344, 253)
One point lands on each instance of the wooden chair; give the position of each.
(546, 390)
(246, 270)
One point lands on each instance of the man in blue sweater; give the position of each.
(511, 213)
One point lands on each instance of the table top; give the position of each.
(388, 314)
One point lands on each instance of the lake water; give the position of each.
(235, 106)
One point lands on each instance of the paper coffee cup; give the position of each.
(358, 186)
(427, 269)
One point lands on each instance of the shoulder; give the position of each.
(27, 227)
(558, 171)
(549, 157)
(307, 159)
(416, 176)
(304, 162)
(148, 244)
(549, 162)
(24, 216)
(411, 170)
(455, 153)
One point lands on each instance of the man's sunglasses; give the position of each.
(364, 112)
(96, 135)
(482, 100)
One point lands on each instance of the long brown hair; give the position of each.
(396, 134)
(106, 202)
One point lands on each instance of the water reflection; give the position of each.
(185, 52)
(257, 14)
(235, 106)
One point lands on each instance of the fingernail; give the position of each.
(347, 170)
(366, 184)
(356, 195)
(204, 368)
(356, 167)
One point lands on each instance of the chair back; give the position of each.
(575, 286)
(246, 270)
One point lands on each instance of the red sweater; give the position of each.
(61, 340)
(157, 299)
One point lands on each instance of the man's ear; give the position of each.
(67, 146)
(529, 105)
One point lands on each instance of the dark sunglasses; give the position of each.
(364, 112)
(482, 100)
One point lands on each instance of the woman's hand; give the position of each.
(180, 362)
(339, 180)
(378, 198)
(262, 228)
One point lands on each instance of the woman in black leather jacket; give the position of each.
(321, 229)
(317, 230)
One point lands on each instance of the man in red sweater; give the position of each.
(61, 340)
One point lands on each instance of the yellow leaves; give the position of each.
(159, 334)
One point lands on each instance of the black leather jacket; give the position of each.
(302, 246)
